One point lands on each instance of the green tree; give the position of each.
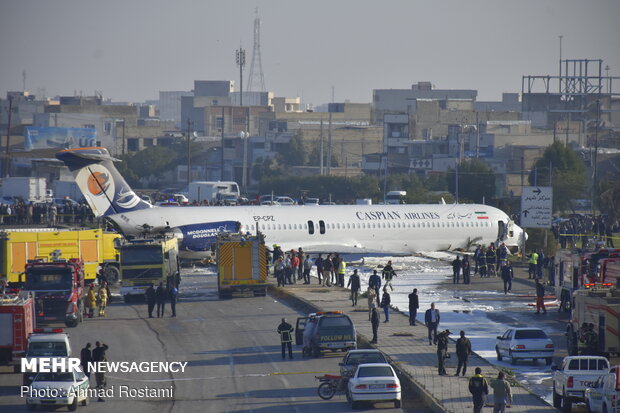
(568, 175)
(314, 157)
(267, 168)
(476, 181)
(294, 154)
(150, 162)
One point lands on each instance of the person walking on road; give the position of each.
(103, 299)
(342, 270)
(307, 268)
(174, 295)
(160, 296)
(375, 282)
(86, 357)
(463, 350)
(388, 273)
(99, 354)
(431, 320)
(414, 304)
(540, 297)
(533, 265)
(502, 394)
(466, 269)
(286, 337)
(456, 270)
(374, 321)
(319, 269)
(507, 276)
(371, 297)
(386, 300)
(479, 389)
(354, 283)
(150, 299)
(91, 301)
(442, 351)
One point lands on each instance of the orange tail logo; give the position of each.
(98, 182)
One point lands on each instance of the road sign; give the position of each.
(536, 207)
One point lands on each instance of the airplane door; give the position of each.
(501, 230)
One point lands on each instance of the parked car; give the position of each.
(59, 389)
(573, 376)
(356, 357)
(285, 200)
(311, 201)
(524, 343)
(374, 382)
(603, 395)
(334, 331)
(61, 202)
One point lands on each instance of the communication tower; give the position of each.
(256, 79)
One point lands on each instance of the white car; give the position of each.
(285, 200)
(524, 343)
(374, 382)
(59, 389)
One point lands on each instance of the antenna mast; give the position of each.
(256, 79)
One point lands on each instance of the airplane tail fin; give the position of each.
(102, 185)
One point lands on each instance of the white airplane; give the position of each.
(381, 229)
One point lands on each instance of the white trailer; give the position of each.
(25, 187)
(208, 190)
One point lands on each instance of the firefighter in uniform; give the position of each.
(91, 301)
(103, 299)
(491, 261)
(286, 337)
(482, 263)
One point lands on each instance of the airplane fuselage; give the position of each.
(391, 229)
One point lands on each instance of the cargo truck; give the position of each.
(147, 261)
(208, 190)
(27, 188)
(94, 246)
(16, 326)
(242, 264)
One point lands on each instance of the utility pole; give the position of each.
(189, 154)
(240, 59)
(123, 136)
(222, 154)
(322, 155)
(594, 169)
(7, 161)
(329, 145)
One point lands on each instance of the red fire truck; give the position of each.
(16, 325)
(58, 288)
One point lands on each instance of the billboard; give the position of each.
(58, 138)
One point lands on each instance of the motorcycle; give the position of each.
(330, 385)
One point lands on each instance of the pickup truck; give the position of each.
(602, 396)
(573, 376)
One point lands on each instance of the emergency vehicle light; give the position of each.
(49, 330)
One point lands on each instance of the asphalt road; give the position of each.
(232, 350)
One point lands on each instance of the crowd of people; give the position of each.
(45, 213)
(582, 230)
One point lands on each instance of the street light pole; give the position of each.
(240, 60)
(189, 155)
(7, 161)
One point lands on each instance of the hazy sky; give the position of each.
(132, 49)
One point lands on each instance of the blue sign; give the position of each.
(200, 237)
(58, 138)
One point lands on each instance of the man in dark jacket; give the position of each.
(431, 320)
(174, 293)
(479, 389)
(99, 355)
(354, 283)
(414, 304)
(286, 337)
(507, 275)
(374, 321)
(466, 269)
(85, 358)
(160, 296)
(456, 270)
(442, 351)
(150, 299)
(386, 300)
(463, 350)
(375, 282)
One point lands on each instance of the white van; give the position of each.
(207, 190)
